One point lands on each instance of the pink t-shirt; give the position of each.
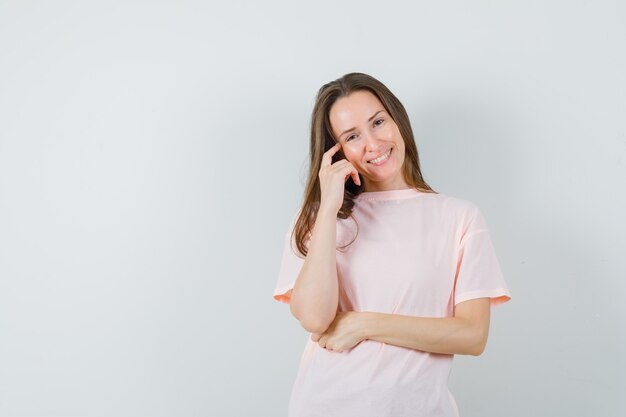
(416, 254)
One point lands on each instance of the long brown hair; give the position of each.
(322, 139)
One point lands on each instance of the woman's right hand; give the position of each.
(333, 178)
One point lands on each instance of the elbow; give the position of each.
(479, 344)
(477, 351)
(314, 326)
(310, 323)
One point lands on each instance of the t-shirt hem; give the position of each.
(497, 296)
(280, 294)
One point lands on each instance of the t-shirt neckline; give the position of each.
(389, 194)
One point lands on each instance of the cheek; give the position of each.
(355, 161)
(401, 153)
(390, 132)
(351, 156)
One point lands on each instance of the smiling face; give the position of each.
(370, 140)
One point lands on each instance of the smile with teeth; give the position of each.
(380, 158)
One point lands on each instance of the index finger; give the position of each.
(328, 155)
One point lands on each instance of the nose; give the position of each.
(372, 143)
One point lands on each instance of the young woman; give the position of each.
(390, 277)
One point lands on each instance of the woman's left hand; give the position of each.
(345, 332)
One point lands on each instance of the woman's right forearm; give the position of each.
(315, 294)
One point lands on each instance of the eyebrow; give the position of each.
(352, 128)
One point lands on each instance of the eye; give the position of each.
(349, 137)
(376, 122)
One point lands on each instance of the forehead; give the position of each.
(353, 109)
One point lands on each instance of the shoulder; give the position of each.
(453, 206)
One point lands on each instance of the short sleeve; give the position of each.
(478, 272)
(290, 265)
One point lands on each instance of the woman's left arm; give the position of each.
(465, 334)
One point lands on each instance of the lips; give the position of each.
(383, 153)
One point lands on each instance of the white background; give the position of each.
(153, 153)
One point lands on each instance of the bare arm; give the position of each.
(315, 295)
(466, 333)
(314, 298)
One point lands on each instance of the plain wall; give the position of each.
(153, 153)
